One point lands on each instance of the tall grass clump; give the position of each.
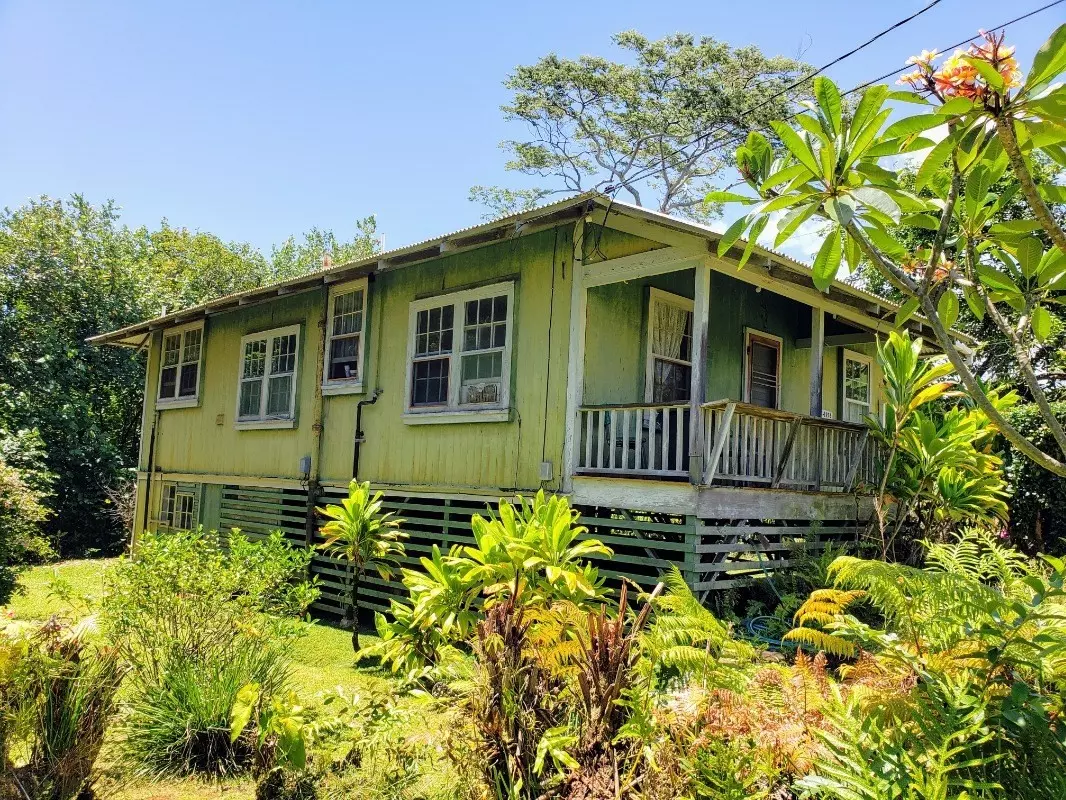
(200, 615)
(57, 696)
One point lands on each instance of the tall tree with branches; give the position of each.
(652, 127)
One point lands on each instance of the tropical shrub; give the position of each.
(941, 469)
(534, 549)
(364, 537)
(23, 492)
(1038, 500)
(196, 615)
(57, 696)
(960, 685)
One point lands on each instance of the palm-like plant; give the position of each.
(364, 537)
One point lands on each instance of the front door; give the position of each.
(764, 370)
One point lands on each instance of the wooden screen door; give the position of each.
(764, 371)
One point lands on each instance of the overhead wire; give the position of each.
(734, 138)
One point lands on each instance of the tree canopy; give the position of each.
(70, 269)
(652, 127)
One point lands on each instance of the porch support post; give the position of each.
(698, 393)
(817, 358)
(575, 373)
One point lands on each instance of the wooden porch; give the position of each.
(738, 444)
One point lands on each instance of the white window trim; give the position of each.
(264, 421)
(167, 521)
(180, 402)
(453, 412)
(746, 388)
(861, 358)
(659, 296)
(336, 386)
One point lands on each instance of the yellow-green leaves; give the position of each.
(1049, 61)
(906, 311)
(1041, 323)
(947, 308)
(795, 144)
(829, 102)
(827, 262)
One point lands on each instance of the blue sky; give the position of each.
(255, 121)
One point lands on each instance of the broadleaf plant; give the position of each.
(981, 122)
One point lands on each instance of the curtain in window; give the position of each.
(668, 330)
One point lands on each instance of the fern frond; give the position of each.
(822, 641)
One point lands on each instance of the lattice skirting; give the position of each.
(712, 554)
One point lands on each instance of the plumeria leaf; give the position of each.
(732, 233)
(1029, 251)
(877, 199)
(926, 221)
(947, 308)
(727, 197)
(973, 300)
(827, 262)
(995, 279)
(934, 161)
(784, 176)
(1041, 323)
(829, 101)
(799, 149)
(988, 72)
(792, 220)
(906, 97)
(956, 107)
(753, 236)
(906, 311)
(915, 124)
(1049, 60)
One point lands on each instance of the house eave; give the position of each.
(876, 309)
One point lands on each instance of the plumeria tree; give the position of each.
(838, 165)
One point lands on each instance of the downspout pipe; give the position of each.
(313, 486)
(360, 437)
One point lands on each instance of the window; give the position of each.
(179, 507)
(179, 366)
(668, 374)
(763, 369)
(266, 395)
(460, 354)
(344, 339)
(857, 389)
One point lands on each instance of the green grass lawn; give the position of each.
(322, 662)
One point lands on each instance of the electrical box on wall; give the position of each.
(305, 465)
(545, 470)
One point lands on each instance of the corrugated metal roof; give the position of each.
(132, 333)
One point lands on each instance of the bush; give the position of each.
(195, 614)
(1038, 504)
(22, 509)
(57, 695)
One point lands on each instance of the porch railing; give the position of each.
(751, 445)
(649, 439)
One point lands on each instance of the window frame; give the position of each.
(167, 518)
(660, 296)
(263, 420)
(753, 334)
(334, 386)
(453, 411)
(177, 401)
(858, 358)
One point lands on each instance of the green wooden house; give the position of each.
(695, 412)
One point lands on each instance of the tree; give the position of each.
(596, 123)
(995, 122)
(363, 537)
(293, 257)
(69, 270)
